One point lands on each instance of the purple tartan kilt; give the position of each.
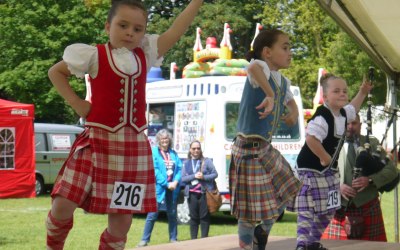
(313, 195)
(262, 185)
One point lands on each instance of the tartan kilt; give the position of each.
(313, 195)
(100, 158)
(259, 186)
(374, 227)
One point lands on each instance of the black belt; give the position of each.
(254, 144)
(250, 156)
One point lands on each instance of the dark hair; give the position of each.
(266, 38)
(325, 78)
(115, 4)
(201, 151)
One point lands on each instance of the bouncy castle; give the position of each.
(222, 63)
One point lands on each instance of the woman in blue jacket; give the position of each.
(198, 174)
(167, 168)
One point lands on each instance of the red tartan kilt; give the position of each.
(100, 158)
(374, 226)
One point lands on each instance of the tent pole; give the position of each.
(393, 100)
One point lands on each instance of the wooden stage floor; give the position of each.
(230, 242)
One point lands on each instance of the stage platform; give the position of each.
(230, 242)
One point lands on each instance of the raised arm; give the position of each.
(362, 93)
(178, 27)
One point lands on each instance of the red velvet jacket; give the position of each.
(118, 99)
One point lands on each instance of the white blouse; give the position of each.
(318, 127)
(83, 59)
(276, 75)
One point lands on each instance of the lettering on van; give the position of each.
(62, 159)
(279, 146)
(287, 146)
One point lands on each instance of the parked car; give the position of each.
(52, 145)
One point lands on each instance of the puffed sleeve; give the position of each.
(81, 59)
(265, 69)
(350, 112)
(318, 128)
(150, 48)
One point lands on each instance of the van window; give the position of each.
(40, 142)
(282, 133)
(185, 120)
(231, 116)
(161, 116)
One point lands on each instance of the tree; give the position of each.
(34, 35)
(346, 59)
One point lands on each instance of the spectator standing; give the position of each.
(167, 169)
(198, 175)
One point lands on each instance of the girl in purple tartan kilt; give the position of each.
(319, 196)
(261, 181)
(110, 168)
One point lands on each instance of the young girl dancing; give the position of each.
(261, 181)
(110, 169)
(316, 203)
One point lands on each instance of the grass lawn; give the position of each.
(22, 225)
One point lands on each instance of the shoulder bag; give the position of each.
(214, 199)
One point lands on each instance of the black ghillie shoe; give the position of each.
(316, 246)
(261, 237)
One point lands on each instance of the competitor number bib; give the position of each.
(127, 195)
(333, 199)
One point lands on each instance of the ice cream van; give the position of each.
(206, 109)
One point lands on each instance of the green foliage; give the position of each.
(345, 58)
(34, 36)
(35, 33)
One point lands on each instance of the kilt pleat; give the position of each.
(374, 227)
(313, 195)
(262, 185)
(97, 160)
